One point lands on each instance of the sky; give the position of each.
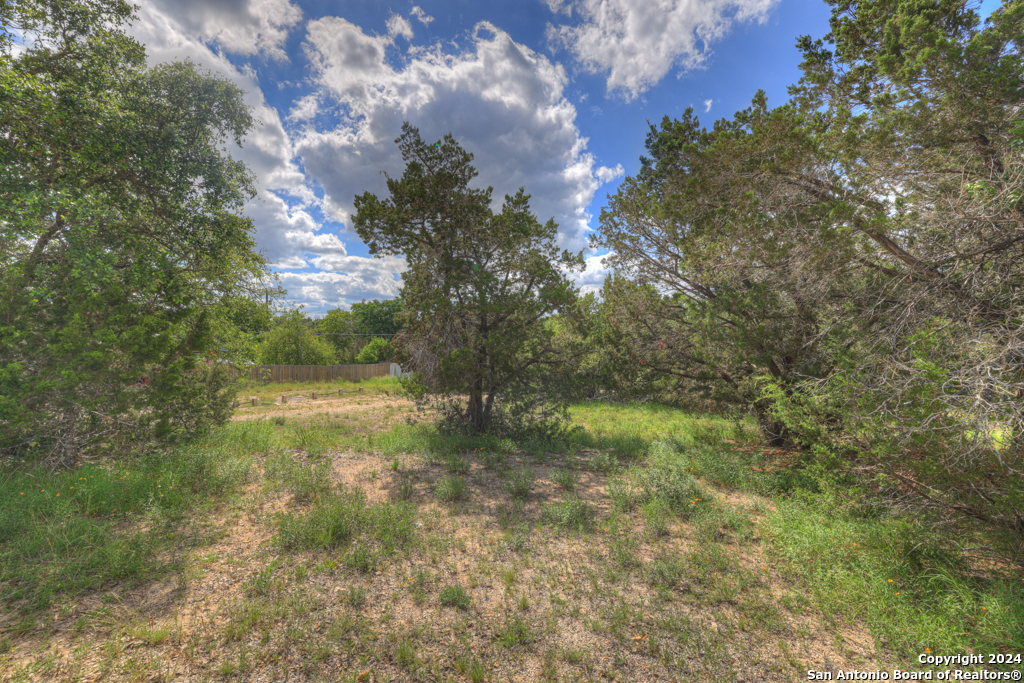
(555, 96)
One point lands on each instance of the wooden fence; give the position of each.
(314, 373)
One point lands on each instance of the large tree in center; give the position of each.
(479, 283)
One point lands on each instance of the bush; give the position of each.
(377, 351)
(292, 343)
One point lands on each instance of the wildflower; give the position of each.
(890, 580)
(927, 649)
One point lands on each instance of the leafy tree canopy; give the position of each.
(119, 229)
(292, 342)
(378, 317)
(479, 283)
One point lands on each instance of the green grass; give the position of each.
(450, 489)
(73, 531)
(570, 513)
(272, 390)
(660, 467)
(304, 481)
(338, 518)
(901, 580)
(454, 596)
(520, 483)
(566, 479)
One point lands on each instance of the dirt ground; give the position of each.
(583, 598)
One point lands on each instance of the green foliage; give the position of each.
(377, 351)
(454, 596)
(520, 483)
(304, 482)
(478, 287)
(566, 479)
(119, 229)
(450, 489)
(378, 317)
(849, 317)
(338, 328)
(65, 532)
(571, 513)
(293, 343)
(338, 518)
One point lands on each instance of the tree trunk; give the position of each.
(475, 411)
(775, 433)
(65, 452)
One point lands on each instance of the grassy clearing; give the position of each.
(68, 532)
(652, 545)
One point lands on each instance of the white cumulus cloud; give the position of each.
(502, 101)
(423, 17)
(399, 26)
(243, 27)
(637, 43)
(707, 105)
(606, 175)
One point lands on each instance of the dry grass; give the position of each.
(615, 600)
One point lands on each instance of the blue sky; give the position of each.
(553, 95)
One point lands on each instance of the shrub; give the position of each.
(565, 479)
(377, 351)
(292, 343)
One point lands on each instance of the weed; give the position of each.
(404, 488)
(516, 540)
(406, 655)
(456, 464)
(604, 462)
(665, 573)
(304, 482)
(570, 513)
(450, 489)
(361, 558)
(508, 578)
(261, 583)
(514, 633)
(566, 479)
(622, 493)
(493, 460)
(454, 596)
(520, 483)
(337, 518)
(356, 596)
(655, 513)
(549, 667)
